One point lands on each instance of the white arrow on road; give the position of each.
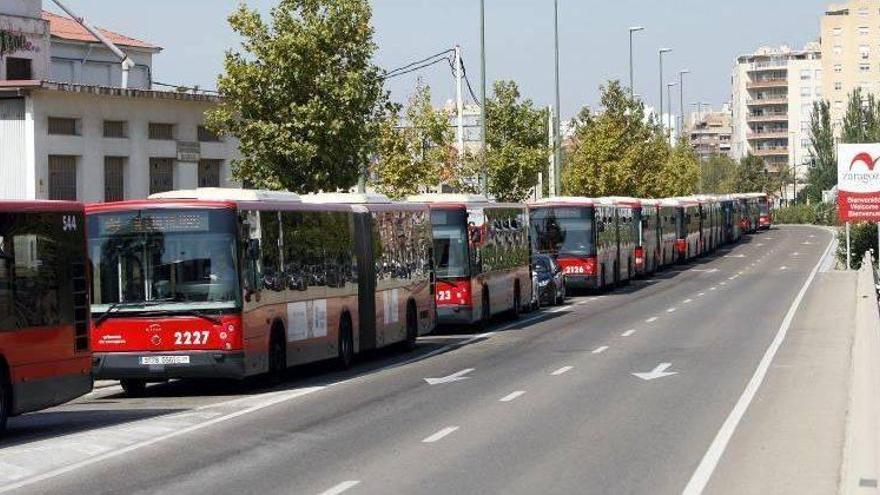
(455, 377)
(658, 372)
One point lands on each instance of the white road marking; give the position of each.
(713, 288)
(707, 465)
(600, 350)
(512, 396)
(759, 244)
(657, 372)
(342, 487)
(733, 277)
(628, 333)
(564, 369)
(440, 434)
(769, 238)
(652, 319)
(688, 301)
(723, 283)
(735, 256)
(806, 243)
(455, 377)
(701, 294)
(671, 310)
(783, 268)
(795, 254)
(558, 309)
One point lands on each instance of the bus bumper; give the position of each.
(202, 364)
(582, 282)
(452, 315)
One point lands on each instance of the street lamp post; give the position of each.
(681, 74)
(633, 29)
(484, 174)
(557, 139)
(669, 87)
(662, 52)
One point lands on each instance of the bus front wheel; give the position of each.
(134, 387)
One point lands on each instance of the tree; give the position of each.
(822, 171)
(717, 174)
(752, 176)
(617, 151)
(681, 171)
(516, 148)
(861, 124)
(302, 95)
(418, 154)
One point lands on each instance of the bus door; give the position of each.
(366, 280)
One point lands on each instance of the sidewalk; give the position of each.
(791, 439)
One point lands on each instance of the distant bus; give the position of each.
(45, 358)
(226, 283)
(689, 244)
(481, 257)
(667, 231)
(765, 221)
(731, 214)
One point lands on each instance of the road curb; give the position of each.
(860, 470)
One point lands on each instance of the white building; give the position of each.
(67, 131)
(773, 94)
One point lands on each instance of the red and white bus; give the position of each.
(667, 231)
(226, 283)
(689, 226)
(765, 221)
(481, 257)
(45, 358)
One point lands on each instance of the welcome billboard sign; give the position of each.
(858, 181)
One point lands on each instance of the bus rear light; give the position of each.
(455, 292)
(640, 257)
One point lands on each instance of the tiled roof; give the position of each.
(67, 29)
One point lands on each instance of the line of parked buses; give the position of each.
(229, 283)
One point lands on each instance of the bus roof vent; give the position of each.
(345, 198)
(228, 194)
(448, 198)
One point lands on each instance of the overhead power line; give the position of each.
(425, 62)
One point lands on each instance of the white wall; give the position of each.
(37, 33)
(93, 64)
(91, 147)
(800, 107)
(21, 8)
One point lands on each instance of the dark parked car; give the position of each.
(550, 282)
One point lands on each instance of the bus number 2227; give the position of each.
(190, 338)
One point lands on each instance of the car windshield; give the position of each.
(542, 264)
(165, 259)
(563, 230)
(450, 243)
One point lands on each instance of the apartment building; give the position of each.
(710, 132)
(772, 98)
(850, 52)
(69, 131)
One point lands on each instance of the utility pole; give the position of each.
(681, 74)
(633, 29)
(663, 51)
(557, 141)
(484, 178)
(459, 102)
(551, 157)
(669, 87)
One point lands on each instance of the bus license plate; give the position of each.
(158, 360)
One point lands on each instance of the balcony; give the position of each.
(768, 117)
(757, 102)
(754, 136)
(770, 151)
(768, 83)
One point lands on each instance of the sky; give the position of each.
(706, 37)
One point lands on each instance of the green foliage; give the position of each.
(861, 124)
(717, 174)
(418, 154)
(812, 214)
(822, 171)
(863, 236)
(302, 94)
(516, 148)
(752, 176)
(620, 152)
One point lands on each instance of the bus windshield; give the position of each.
(763, 206)
(563, 230)
(450, 243)
(165, 259)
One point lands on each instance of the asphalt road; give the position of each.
(550, 404)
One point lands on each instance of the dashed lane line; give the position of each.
(512, 396)
(563, 370)
(652, 319)
(600, 350)
(628, 333)
(342, 487)
(436, 437)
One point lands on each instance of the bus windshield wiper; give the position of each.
(113, 308)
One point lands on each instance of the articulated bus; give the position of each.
(227, 283)
(689, 227)
(731, 214)
(667, 231)
(481, 257)
(45, 358)
(594, 240)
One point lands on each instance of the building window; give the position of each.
(806, 74)
(805, 91)
(818, 92)
(838, 68)
(161, 175)
(863, 12)
(864, 68)
(838, 31)
(59, 126)
(864, 52)
(209, 173)
(161, 132)
(114, 178)
(115, 129)
(818, 74)
(18, 69)
(838, 86)
(864, 30)
(62, 177)
(837, 49)
(207, 135)
(805, 126)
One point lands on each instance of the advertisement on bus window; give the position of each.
(858, 182)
